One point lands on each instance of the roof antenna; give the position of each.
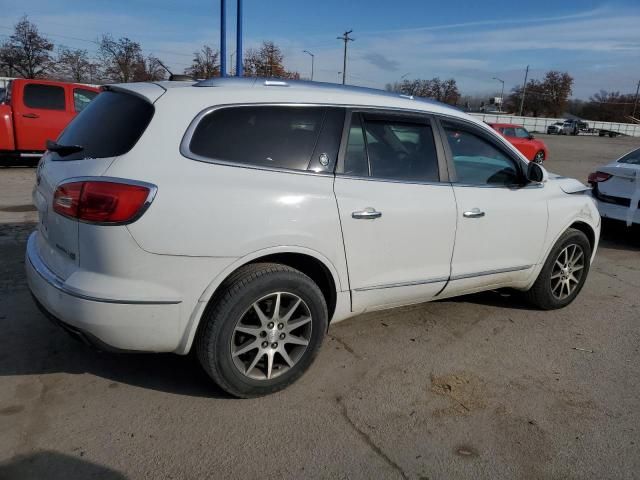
(175, 77)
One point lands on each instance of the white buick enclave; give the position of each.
(241, 216)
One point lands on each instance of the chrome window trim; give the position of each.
(153, 190)
(186, 152)
(56, 282)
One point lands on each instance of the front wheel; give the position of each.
(564, 272)
(263, 330)
(539, 157)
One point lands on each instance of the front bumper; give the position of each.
(111, 324)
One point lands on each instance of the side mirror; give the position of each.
(531, 137)
(536, 173)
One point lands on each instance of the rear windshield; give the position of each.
(632, 158)
(109, 126)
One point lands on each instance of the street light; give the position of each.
(501, 94)
(312, 59)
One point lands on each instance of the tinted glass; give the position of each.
(632, 158)
(281, 137)
(46, 97)
(355, 159)
(401, 150)
(521, 133)
(477, 160)
(82, 97)
(109, 126)
(509, 132)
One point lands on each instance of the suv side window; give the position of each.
(47, 97)
(261, 135)
(477, 160)
(391, 147)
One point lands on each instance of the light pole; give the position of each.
(635, 103)
(524, 90)
(346, 39)
(312, 59)
(501, 94)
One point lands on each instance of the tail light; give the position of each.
(597, 177)
(102, 202)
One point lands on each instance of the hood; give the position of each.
(568, 185)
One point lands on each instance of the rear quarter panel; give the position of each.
(7, 139)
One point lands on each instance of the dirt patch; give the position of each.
(18, 208)
(466, 393)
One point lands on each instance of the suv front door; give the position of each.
(502, 220)
(398, 215)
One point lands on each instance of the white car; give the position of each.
(241, 217)
(616, 188)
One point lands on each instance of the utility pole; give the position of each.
(312, 59)
(502, 94)
(635, 103)
(346, 39)
(524, 89)
(239, 65)
(223, 38)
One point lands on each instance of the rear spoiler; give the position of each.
(150, 92)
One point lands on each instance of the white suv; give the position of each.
(241, 216)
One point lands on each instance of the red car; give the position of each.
(34, 111)
(534, 150)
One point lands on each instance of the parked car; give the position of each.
(556, 129)
(534, 150)
(240, 217)
(616, 188)
(32, 111)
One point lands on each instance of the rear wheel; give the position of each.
(564, 272)
(263, 330)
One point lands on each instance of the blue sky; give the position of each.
(473, 41)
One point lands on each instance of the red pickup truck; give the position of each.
(34, 111)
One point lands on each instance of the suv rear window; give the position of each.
(109, 126)
(46, 97)
(267, 136)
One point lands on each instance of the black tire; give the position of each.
(236, 296)
(541, 294)
(539, 157)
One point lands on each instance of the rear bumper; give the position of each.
(108, 323)
(617, 212)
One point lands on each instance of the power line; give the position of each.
(346, 39)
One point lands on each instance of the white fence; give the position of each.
(540, 124)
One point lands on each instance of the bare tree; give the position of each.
(442, 90)
(121, 58)
(26, 53)
(148, 69)
(205, 63)
(75, 65)
(268, 61)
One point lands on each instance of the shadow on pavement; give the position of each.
(617, 236)
(54, 466)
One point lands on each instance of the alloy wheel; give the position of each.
(567, 271)
(271, 336)
(539, 158)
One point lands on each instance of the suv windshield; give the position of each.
(109, 126)
(632, 158)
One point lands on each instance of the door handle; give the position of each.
(368, 213)
(473, 213)
(30, 115)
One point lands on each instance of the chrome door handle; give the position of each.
(366, 214)
(473, 213)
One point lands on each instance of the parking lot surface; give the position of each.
(475, 387)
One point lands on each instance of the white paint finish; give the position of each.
(208, 219)
(511, 233)
(411, 242)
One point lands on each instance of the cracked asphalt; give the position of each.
(476, 387)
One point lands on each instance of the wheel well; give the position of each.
(587, 230)
(312, 268)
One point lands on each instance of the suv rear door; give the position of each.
(41, 111)
(397, 213)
